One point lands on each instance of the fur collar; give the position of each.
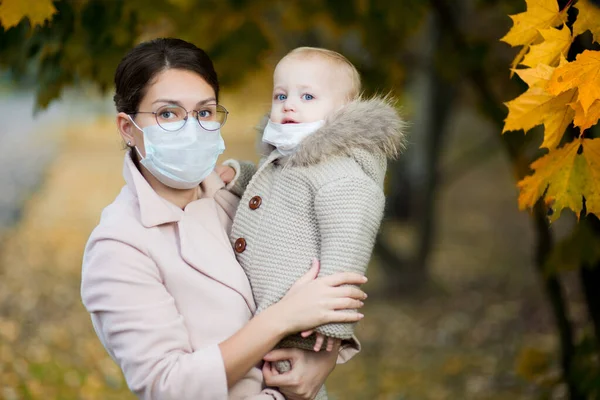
(364, 124)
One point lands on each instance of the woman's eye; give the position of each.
(307, 96)
(166, 114)
(280, 97)
(204, 113)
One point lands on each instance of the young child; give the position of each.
(318, 192)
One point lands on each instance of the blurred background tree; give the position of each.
(439, 57)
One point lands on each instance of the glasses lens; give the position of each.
(171, 117)
(211, 113)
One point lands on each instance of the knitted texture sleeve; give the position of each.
(349, 212)
(244, 170)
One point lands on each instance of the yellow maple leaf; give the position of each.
(517, 59)
(565, 178)
(536, 106)
(583, 74)
(540, 75)
(536, 77)
(585, 121)
(556, 44)
(13, 11)
(588, 18)
(540, 14)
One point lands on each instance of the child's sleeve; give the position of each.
(349, 212)
(244, 170)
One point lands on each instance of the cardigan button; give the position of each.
(255, 202)
(240, 245)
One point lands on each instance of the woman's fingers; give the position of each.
(310, 275)
(269, 371)
(274, 378)
(348, 291)
(340, 316)
(344, 278)
(279, 355)
(345, 303)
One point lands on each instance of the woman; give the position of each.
(167, 298)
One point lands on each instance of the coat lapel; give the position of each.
(205, 246)
(204, 242)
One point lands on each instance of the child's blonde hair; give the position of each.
(335, 58)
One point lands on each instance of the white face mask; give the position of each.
(181, 159)
(287, 137)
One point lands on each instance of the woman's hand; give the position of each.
(312, 302)
(309, 371)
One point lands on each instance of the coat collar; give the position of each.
(154, 210)
(199, 223)
(371, 125)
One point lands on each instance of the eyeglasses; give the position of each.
(172, 117)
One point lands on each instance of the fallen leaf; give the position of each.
(532, 363)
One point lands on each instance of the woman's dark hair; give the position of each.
(137, 69)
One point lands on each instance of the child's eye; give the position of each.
(280, 97)
(307, 96)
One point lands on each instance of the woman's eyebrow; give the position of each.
(210, 100)
(167, 101)
(178, 103)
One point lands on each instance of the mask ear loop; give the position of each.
(135, 147)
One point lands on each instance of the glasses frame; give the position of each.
(187, 117)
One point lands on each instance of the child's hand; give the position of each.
(225, 172)
(320, 339)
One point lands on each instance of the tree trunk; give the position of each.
(555, 295)
(590, 281)
(414, 178)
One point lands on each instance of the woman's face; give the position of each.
(170, 87)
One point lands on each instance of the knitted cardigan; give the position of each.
(325, 201)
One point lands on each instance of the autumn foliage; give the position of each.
(12, 11)
(560, 93)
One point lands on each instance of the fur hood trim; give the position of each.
(372, 125)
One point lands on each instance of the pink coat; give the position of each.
(163, 288)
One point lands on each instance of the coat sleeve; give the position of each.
(244, 170)
(348, 212)
(138, 323)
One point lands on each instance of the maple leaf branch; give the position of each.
(567, 6)
(544, 244)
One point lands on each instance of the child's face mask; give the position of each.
(287, 137)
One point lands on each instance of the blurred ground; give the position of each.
(458, 340)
